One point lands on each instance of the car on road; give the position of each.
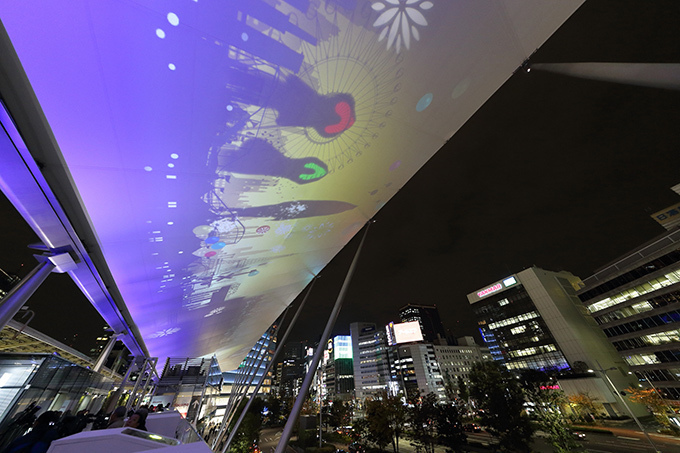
(356, 447)
(578, 435)
(472, 428)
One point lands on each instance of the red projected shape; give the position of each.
(346, 119)
(263, 229)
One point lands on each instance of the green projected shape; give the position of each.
(318, 172)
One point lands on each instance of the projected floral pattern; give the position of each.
(225, 151)
(398, 19)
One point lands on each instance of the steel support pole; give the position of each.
(233, 407)
(630, 411)
(140, 376)
(271, 363)
(297, 407)
(116, 396)
(19, 295)
(251, 377)
(101, 360)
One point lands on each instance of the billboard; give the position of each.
(407, 332)
(342, 347)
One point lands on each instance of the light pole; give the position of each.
(623, 401)
(673, 418)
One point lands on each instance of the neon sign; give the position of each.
(489, 290)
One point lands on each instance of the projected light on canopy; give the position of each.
(225, 151)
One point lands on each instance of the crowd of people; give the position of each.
(36, 432)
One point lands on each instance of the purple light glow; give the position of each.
(270, 128)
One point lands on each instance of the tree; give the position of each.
(450, 428)
(584, 405)
(463, 393)
(275, 406)
(500, 400)
(434, 423)
(384, 421)
(450, 387)
(423, 419)
(340, 413)
(547, 403)
(249, 431)
(379, 431)
(396, 416)
(654, 402)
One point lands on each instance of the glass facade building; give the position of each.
(636, 303)
(534, 320)
(371, 360)
(49, 381)
(516, 333)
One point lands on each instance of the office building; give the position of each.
(455, 361)
(534, 320)
(636, 303)
(337, 376)
(371, 365)
(430, 323)
(293, 368)
(417, 371)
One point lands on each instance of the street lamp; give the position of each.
(673, 418)
(623, 401)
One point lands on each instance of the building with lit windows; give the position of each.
(338, 369)
(292, 368)
(417, 371)
(430, 323)
(455, 361)
(534, 320)
(371, 364)
(636, 303)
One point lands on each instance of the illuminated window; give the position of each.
(514, 320)
(642, 359)
(658, 283)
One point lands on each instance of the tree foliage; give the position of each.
(423, 419)
(379, 432)
(276, 409)
(249, 431)
(385, 417)
(340, 413)
(584, 405)
(450, 428)
(433, 423)
(463, 393)
(500, 400)
(654, 402)
(548, 403)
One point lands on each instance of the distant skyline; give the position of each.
(552, 171)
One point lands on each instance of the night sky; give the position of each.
(552, 171)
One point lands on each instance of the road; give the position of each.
(269, 438)
(620, 441)
(624, 440)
